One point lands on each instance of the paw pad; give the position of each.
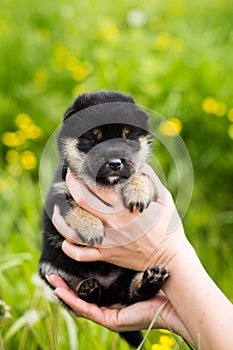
(89, 290)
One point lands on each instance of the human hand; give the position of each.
(122, 319)
(133, 240)
(161, 240)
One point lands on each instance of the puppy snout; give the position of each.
(114, 164)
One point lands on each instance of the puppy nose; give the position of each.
(115, 164)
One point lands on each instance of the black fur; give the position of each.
(87, 278)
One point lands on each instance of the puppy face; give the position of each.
(108, 154)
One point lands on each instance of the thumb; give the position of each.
(82, 253)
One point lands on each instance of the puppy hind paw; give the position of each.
(156, 275)
(89, 290)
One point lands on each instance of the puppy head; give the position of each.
(105, 138)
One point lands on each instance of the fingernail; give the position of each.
(56, 209)
(49, 279)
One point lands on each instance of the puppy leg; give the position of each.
(138, 193)
(89, 229)
(146, 284)
(87, 289)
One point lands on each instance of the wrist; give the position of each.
(175, 246)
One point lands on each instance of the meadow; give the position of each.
(174, 57)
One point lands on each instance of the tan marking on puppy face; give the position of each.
(72, 154)
(125, 133)
(98, 133)
(143, 141)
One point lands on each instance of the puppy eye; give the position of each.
(130, 141)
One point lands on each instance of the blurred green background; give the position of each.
(172, 56)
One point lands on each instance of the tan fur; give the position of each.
(143, 141)
(72, 154)
(136, 284)
(125, 132)
(88, 227)
(138, 192)
(98, 133)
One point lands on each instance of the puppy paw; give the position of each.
(138, 194)
(89, 290)
(146, 284)
(89, 229)
(156, 275)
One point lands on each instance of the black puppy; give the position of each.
(104, 140)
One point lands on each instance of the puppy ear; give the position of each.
(70, 111)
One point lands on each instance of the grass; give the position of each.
(172, 56)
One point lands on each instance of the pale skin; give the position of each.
(194, 306)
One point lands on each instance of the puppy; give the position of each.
(104, 140)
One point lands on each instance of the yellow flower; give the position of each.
(156, 347)
(164, 331)
(13, 139)
(28, 160)
(208, 104)
(61, 52)
(22, 119)
(160, 347)
(171, 127)
(230, 131)
(60, 55)
(27, 126)
(166, 340)
(220, 109)
(79, 73)
(71, 63)
(163, 41)
(212, 106)
(12, 156)
(33, 132)
(230, 115)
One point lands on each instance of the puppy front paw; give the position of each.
(138, 194)
(89, 229)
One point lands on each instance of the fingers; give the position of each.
(99, 203)
(81, 253)
(159, 187)
(63, 292)
(105, 205)
(79, 306)
(57, 281)
(130, 318)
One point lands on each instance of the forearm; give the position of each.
(204, 310)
